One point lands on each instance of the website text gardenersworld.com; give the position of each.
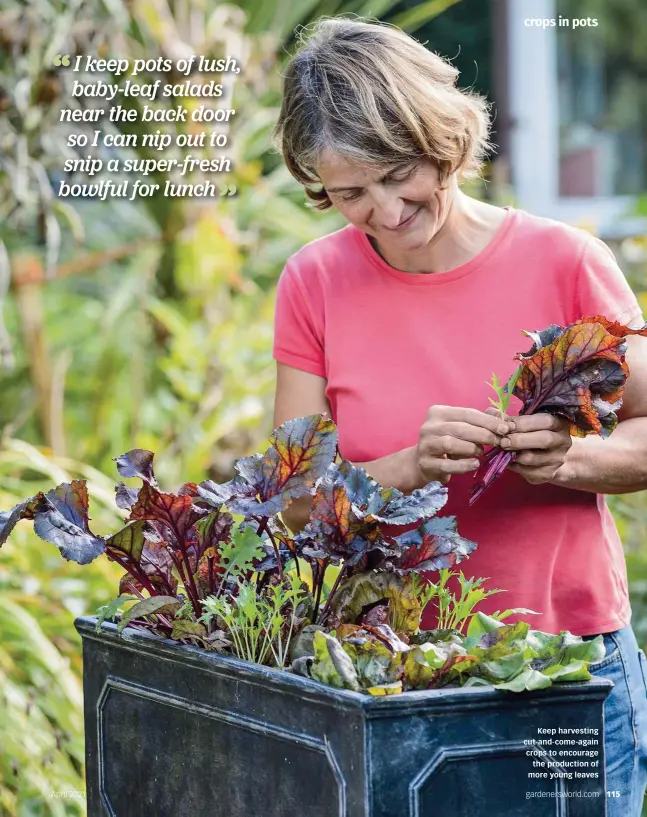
(532, 794)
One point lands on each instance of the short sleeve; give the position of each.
(602, 289)
(298, 335)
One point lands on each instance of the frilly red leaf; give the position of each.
(578, 372)
(176, 513)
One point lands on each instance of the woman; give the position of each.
(394, 324)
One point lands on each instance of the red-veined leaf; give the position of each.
(436, 544)
(300, 451)
(176, 513)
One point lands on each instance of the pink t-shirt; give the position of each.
(391, 344)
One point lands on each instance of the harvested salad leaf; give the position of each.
(504, 393)
(577, 372)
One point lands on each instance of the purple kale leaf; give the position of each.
(61, 517)
(435, 545)
(265, 484)
(137, 463)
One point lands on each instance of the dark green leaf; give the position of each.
(109, 611)
(149, 606)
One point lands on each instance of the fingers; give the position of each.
(494, 412)
(542, 421)
(446, 466)
(473, 434)
(539, 459)
(468, 416)
(451, 439)
(534, 431)
(507, 419)
(534, 476)
(522, 441)
(539, 422)
(458, 443)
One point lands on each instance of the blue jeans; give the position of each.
(625, 722)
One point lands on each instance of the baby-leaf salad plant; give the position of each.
(577, 372)
(214, 565)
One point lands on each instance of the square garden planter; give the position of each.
(174, 731)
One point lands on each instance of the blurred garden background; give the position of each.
(149, 323)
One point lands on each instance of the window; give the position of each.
(602, 76)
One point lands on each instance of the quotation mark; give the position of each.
(62, 60)
(228, 190)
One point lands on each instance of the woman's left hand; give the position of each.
(541, 442)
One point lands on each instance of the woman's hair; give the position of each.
(372, 94)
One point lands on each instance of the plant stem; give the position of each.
(331, 595)
(161, 616)
(191, 588)
(237, 643)
(317, 591)
(263, 522)
(141, 577)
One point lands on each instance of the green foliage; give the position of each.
(237, 557)
(503, 392)
(467, 648)
(259, 624)
(455, 612)
(108, 612)
(41, 719)
(509, 657)
(41, 702)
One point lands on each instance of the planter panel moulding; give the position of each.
(174, 730)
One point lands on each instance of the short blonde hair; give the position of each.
(373, 94)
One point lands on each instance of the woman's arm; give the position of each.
(299, 394)
(449, 442)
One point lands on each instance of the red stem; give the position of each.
(141, 577)
(190, 587)
(497, 460)
(161, 616)
(331, 595)
(317, 591)
(263, 522)
(193, 599)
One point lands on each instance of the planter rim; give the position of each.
(373, 706)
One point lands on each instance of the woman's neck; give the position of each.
(469, 227)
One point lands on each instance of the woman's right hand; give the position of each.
(452, 438)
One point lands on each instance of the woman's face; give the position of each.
(402, 206)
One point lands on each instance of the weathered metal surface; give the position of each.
(174, 731)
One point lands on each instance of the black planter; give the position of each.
(173, 731)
